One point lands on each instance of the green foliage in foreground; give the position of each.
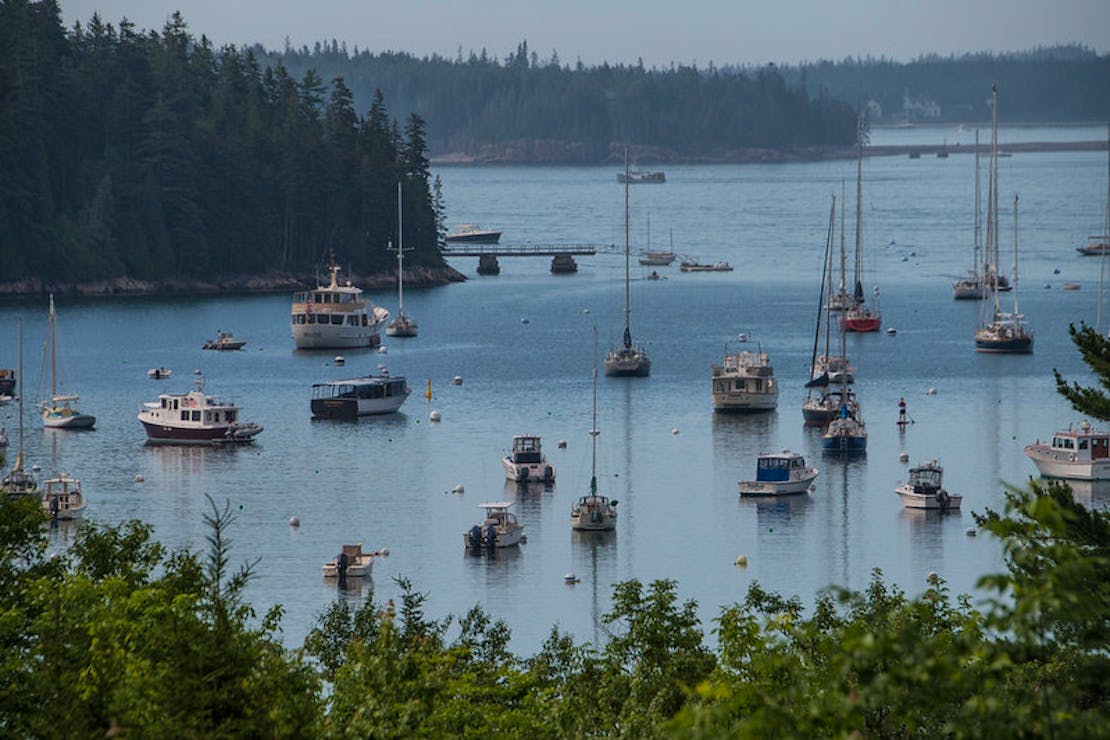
(119, 636)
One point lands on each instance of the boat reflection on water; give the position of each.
(589, 549)
(1094, 494)
(529, 497)
(62, 532)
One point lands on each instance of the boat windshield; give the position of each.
(927, 477)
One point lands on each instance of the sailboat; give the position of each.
(859, 317)
(60, 411)
(1006, 333)
(1002, 333)
(627, 359)
(594, 511)
(403, 325)
(19, 482)
(1101, 244)
(971, 287)
(823, 402)
(651, 258)
(846, 433)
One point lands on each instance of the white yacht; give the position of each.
(527, 463)
(779, 473)
(355, 397)
(499, 528)
(194, 418)
(925, 489)
(335, 316)
(1081, 453)
(745, 381)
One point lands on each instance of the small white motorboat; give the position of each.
(925, 489)
(499, 529)
(159, 373)
(527, 463)
(779, 473)
(224, 341)
(63, 499)
(352, 561)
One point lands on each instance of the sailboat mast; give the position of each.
(627, 261)
(1016, 320)
(992, 200)
(859, 204)
(843, 253)
(400, 257)
(978, 225)
(53, 362)
(19, 457)
(1105, 240)
(593, 427)
(826, 279)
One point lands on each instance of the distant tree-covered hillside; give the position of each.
(152, 154)
(472, 104)
(1057, 84)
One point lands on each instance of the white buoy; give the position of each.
(196, 371)
(562, 444)
(742, 561)
(674, 431)
(569, 577)
(294, 521)
(971, 531)
(457, 380)
(36, 468)
(458, 489)
(340, 360)
(384, 552)
(904, 457)
(525, 320)
(1047, 286)
(434, 416)
(585, 310)
(890, 330)
(931, 392)
(383, 350)
(138, 478)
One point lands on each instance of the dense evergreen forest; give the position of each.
(526, 109)
(115, 636)
(154, 155)
(1055, 84)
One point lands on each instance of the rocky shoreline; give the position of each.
(270, 282)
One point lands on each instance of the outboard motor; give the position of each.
(491, 537)
(341, 563)
(522, 475)
(548, 474)
(474, 538)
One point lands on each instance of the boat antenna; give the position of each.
(1017, 319)
(627, 258)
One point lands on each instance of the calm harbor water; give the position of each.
(672, 464)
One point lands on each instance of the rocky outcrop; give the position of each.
(551, 151)
(271, 282)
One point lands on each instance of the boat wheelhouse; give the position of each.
(194, 418)
(500, 528)
(354, 397)
(779, 473)
(1081, 453)
(335, 316)
(925, 489)
(527, 463)
(744, 381)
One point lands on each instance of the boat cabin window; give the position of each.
(365, 320)
(1082, 444)
(371, 391)
(184, 416)
(1066, 443)
(396, 388)
(196, 415)
(337, 319)
(930, 478)
(352, 321)
(232, 416)
(773, 469)
(175, 404)
(164, 403)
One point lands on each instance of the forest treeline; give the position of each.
(116, 636)
(152, 154)
(483, 106)
(1054, 84)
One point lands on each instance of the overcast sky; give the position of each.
(622, 31)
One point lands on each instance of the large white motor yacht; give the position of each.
(335, 316)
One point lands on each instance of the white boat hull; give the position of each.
(541, 472)
(912, 500)
(587, 522)
(798, 483)
(358, 568)
(745, 401)
(1056, 463)
(505, 537)
(326, 336)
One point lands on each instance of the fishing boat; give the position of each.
(60, 412)
(744, 381)
(159, 373)
(971, 287)
(635, 177)
(354, 397)
(700, 267)
(778, 473)
(1079, 453)
(861, 317)
(473, 234)
(352, 562)
(593, 511)
(18, 481)
(335, 316)
(499, 528)
(925, 489)
(526, 462)
(627, 359)
(1005, 333)
(403, 325)
(195, 418)
(63, 500)
(224, 341)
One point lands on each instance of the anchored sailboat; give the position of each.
(594, 511)
(403, 325)
(971, 287)
(627, 359)
(859, 317)
(18, 481)
(60, 412)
